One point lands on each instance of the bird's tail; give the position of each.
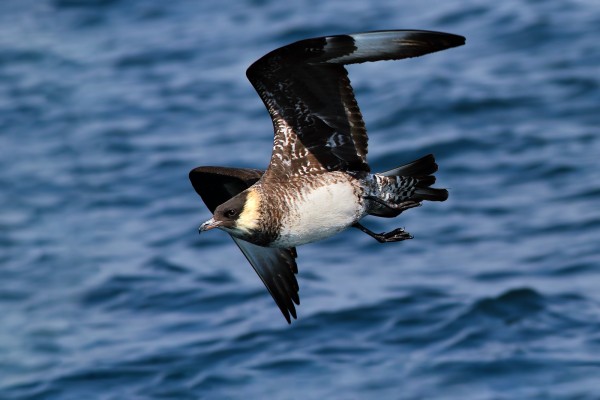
(405, 187)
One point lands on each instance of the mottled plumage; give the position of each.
(318, 182)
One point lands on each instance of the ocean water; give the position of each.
(108, 292)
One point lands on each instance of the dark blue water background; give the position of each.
(108, 292)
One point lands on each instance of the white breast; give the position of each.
(318, 213)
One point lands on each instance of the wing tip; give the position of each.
(445, 39)
(288, 312)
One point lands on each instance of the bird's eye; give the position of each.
(230, 213)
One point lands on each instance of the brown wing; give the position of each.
(305, 87)
(275, 267)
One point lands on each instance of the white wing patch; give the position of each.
(380, 44)
(336, 140)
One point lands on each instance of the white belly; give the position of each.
(320, 213)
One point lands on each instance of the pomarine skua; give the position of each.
(318, 181)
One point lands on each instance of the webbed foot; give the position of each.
(397, 235)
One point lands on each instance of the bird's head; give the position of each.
(238, 216)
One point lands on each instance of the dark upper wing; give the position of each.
(275, 267)
(305, 87)
(216, 185)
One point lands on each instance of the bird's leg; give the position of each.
(403, 206)
(396, 235)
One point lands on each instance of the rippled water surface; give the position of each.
(108, 292)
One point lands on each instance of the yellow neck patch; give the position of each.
(248, 219)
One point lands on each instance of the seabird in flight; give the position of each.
(318, 181)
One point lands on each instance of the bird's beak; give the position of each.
(208, 225)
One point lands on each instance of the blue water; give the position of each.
(108, 292)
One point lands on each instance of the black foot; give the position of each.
(397, 235)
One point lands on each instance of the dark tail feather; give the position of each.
(430, 194)
(423, 170)
(425, 181)
(422, 167)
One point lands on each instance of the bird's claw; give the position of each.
(396, 235)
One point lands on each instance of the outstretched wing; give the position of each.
(305, 87)
(275, 267)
